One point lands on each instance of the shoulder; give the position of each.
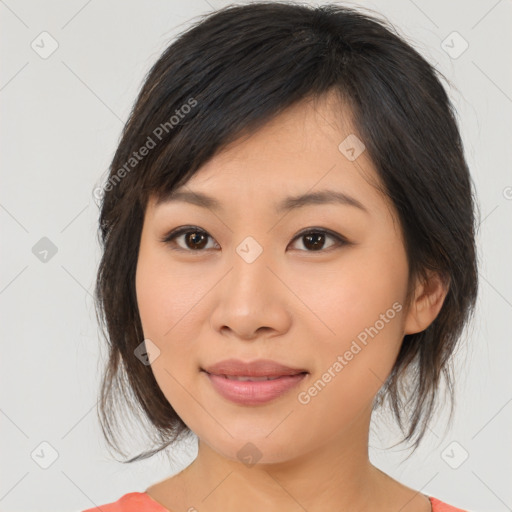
(440, 506)
(131, 502)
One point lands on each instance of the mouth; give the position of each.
(261, 369)
(246, 378)
(255, 383)
(253, 391)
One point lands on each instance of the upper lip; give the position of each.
(257, 368)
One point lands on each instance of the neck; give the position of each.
(336, 475)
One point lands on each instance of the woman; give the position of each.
(288, 239)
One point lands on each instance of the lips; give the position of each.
(254, 383)
(261, 369)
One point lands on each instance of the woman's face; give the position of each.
(249, 286)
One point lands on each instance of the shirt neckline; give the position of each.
(152, 500)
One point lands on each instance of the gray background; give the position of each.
(61, 119)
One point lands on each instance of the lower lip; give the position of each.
(253, 392)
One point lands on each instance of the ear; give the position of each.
(427, 302)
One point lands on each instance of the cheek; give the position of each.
(169, 310)
(360, 314)
(165, 297)
(364, 290)
(352, 368)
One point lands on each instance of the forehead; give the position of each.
(302, 150)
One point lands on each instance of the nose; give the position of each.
(251, 300)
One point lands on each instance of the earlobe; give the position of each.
(428, 301)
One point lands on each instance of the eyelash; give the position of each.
(170, 238)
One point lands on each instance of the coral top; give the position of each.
(143, 502)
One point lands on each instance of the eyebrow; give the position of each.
(285, 205)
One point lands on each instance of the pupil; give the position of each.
(317, 240)
(195, 238)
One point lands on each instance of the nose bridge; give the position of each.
(249, 261)
(249, 298)
(256, 256)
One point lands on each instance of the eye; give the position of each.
(314, 239)
(196, 239)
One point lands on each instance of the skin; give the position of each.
(293, 304)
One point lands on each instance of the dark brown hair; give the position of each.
(228, 75)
